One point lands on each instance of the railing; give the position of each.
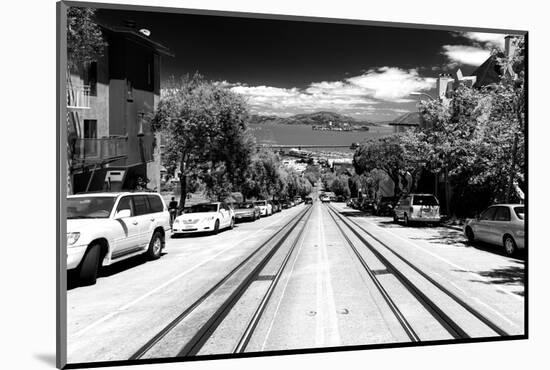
(100, 150)
(78, 96)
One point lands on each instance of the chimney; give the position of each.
(444, 84)
(509, 46)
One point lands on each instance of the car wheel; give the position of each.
(395, 219)
(217, 227)
(470, 235)
(509, 245)
(90, 265)
(155, 246)
(232, 224)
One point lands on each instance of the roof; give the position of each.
(140, 38)
(487, 73)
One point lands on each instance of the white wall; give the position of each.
(28, 273)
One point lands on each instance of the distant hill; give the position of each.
(317, 118)
(409, 118)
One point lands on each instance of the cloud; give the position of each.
(477, 48)
(391, 83)
(357, 95)
(463, 54)
(494, 40)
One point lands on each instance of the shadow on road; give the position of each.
(199, 234)
(510, 275)
(106, 271)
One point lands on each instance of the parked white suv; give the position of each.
(104, 228)
(417, 208)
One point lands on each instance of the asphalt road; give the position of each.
(323, 298)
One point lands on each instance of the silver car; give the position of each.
(500, 224)
(417, 208)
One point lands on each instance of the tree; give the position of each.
(85, 41)
(85, 44)
(206, 134)
(477, 138)
(340, 186)
(385, 154)
(263, 176)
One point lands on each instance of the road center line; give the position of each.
(334, 334)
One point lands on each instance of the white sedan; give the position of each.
(266, 208)
(204, 217)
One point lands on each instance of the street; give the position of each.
(307, 277)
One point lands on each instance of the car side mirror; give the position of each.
(123, 213)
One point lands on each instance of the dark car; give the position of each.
(274, 206)
(246, 210)
(309, 200)
(385, 206)
(353, 203)
(278, 206)
(340, 198)
(367, 205)
(285, 204)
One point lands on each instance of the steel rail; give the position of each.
(449, 324)
(478, 315)
(396, 311)
(253, 323)
(194, 345)
(171, 325)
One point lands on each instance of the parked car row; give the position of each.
(500, 224)
(104, 228)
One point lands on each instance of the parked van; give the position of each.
(417, 208)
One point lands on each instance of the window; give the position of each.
(155, 203)
(502, 214)
(424, 200)
(89, 207)
(129, 91)
(488, 214)
(141, 207)
(90, 77)
(520, 212)
(90, 129)
(126, 203)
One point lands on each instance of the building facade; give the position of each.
(111, 146)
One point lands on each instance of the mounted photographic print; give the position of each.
(235, 184)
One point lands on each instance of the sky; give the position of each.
(289, 67)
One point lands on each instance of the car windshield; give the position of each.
(246, 205)
(520, 212)
(424, 200)
(200, 208)
(89, 207)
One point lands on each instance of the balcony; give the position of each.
(78, 97)
(103, 150)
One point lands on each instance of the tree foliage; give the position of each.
(478, 136)
(206, 136)
(385, 154)
(85, 41)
